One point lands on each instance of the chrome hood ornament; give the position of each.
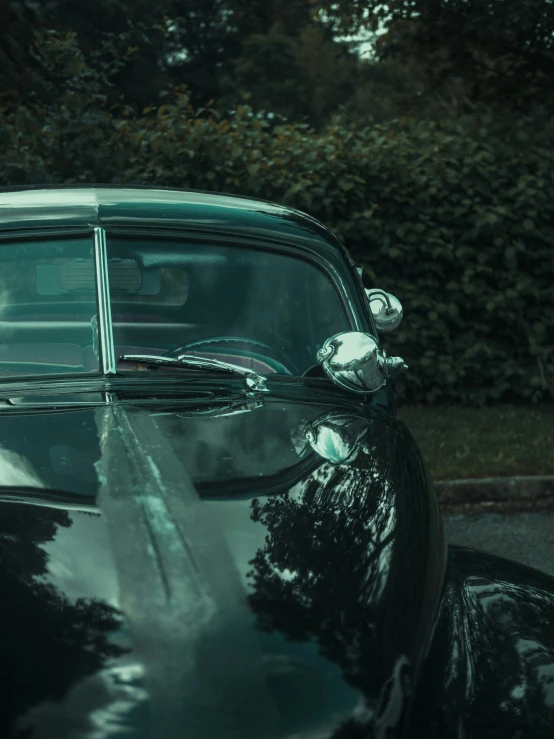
(354, 361)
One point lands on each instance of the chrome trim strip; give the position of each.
(104, 309)
(38, 499)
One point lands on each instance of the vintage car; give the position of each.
(212, 523)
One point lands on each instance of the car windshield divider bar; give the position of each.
(105, 329)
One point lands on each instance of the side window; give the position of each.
(48, 309)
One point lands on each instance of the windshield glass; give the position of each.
(261, 309)
(48, 310)
(265, 310)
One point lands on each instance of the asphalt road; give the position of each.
(525, 537)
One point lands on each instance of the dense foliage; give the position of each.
(499, 53)
(272, 50)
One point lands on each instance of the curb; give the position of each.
(516, 489)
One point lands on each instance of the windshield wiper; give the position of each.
(252, 379)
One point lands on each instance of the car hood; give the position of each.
(242, 570)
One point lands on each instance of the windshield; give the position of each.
(264, 310)
(261, 309)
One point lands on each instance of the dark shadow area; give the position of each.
(49, 643)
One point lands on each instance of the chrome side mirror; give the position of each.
(354, 361)
(386, 309)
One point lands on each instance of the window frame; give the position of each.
(12, 238)
(306, 250)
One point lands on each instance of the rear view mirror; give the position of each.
(77, 276)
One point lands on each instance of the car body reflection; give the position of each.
(184, 556)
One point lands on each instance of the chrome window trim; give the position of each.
(105, 327)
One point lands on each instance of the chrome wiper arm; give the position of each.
(252, 379)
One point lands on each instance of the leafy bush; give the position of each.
(455, 218)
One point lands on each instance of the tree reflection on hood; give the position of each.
(49, 642)
(344, 561)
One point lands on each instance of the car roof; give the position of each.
(85, 206)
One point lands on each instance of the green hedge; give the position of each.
(455, 218)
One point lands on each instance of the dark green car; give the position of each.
(212, 524)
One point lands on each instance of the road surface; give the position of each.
(525, 537)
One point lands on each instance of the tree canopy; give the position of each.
(502, 52)
(292, 57)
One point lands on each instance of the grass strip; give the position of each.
(458, 443)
